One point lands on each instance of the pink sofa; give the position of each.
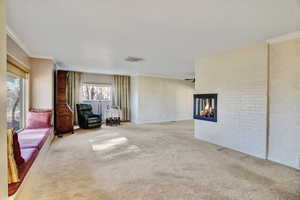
(31, 141)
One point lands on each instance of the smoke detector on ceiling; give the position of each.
(133, 59)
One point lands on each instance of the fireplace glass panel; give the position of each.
(205, 107)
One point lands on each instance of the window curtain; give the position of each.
(121, 85)
(73, 92)
(12, 171)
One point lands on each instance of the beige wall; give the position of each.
(240, 79)
(3, 158)
(42, 83)
(285, 102)
(161, 99)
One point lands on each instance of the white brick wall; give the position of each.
(240, 79)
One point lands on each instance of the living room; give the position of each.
(150, 100)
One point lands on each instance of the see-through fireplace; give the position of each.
(205, 107)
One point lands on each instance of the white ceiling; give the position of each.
(97, 35)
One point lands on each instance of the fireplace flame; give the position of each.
(207, 107)
(207, 111)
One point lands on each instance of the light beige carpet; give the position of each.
(157, 162)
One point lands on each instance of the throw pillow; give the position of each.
(39, 120)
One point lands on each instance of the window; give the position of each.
(15, 101)
(97, 92)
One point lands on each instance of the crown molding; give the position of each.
(19, 42)
(16, 39)
(160, 76)
(285, 37)
(111, 72)
(42, 57)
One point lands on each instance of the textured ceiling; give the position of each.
(97, 35)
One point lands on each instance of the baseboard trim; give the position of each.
(160, 121)
(230, 148)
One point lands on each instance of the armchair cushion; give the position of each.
(94, 119)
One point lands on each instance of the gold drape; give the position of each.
(121, 85)
(73, 92)
(12, 170)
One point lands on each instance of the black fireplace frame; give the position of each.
(206, 96)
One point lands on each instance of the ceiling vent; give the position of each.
(133, 59)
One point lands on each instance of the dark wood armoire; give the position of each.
(64, 116)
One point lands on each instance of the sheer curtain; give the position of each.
(121, 85)
(73, 91)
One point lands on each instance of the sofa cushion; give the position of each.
(17, 151)
(39, 120)
(33, 138)
(26, 137)
(29, 156)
